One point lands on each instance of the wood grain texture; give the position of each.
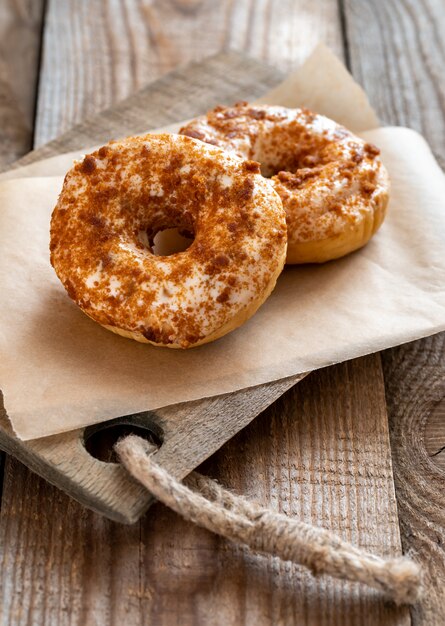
(415, 383)
(20, 29)
(96, 53)
(397, 52)
(320, 453)
(434, 433)
(179, 95)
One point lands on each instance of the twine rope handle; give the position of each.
(203, 501)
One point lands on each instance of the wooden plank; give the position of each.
(20, 27)
(397, 53)
(179, 95)
(397, 49)
(96, 53)
(320, 453)
(164, 570)
(415, 383)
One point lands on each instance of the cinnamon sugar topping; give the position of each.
(115, 201)
(327, 178)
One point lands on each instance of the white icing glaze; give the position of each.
(338, 197)
(100, 240)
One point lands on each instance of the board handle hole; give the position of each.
(99, 439)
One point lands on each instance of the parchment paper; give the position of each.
(59, 370)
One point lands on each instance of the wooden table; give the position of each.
(333, 448)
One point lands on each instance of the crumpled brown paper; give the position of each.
(59, 370)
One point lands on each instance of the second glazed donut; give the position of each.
(333, 184)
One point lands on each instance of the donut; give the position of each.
(115, 201)
(333, 185)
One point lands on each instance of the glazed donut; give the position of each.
(333, 185)
(118, 198)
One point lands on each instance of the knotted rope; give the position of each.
(207, 504)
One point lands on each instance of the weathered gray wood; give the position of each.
(20, 28)
(97, 53)
(397, 51)
(180, 95)
(415, 384)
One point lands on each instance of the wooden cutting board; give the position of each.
(187, 433)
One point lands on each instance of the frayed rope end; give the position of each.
(406, 576)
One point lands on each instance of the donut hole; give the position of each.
(281, 159)
(171, 241)
(267, 171)
(291, 165)
(287, 163)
